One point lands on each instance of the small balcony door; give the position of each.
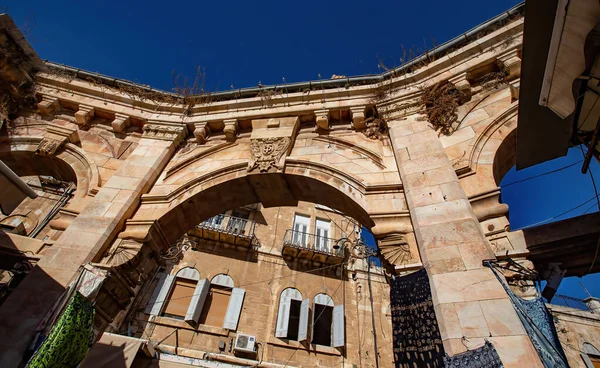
(301, 229)
(322, 236)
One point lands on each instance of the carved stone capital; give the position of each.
(268, 154)
(48, 105)
(322, 118)
(201, 132)
(84, 114)
(230, 129)
(358, 117)
(120, 123)
(164, 132)
(511, 63)
(56, 137)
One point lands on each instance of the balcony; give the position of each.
(226, 229)
(319, 249)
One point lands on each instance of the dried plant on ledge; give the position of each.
(376, 127)
(441, 102)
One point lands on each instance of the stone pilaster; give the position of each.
(469, 301)
(86, 238)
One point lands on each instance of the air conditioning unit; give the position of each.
(244, 343)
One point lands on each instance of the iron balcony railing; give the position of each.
(313, 242)
(230, 225)
(569, 301)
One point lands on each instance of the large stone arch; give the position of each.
(163, 218)
(71, 162)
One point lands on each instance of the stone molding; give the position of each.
(461, 82)
(230, 129)
(511, 63)
(120, 123)
(358, 117)
(322, 119)
(268, 154)
(163, 132)
(84, 114)
(48, 105)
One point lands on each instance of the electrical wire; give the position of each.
(543, 174)
(598, 202)
(561, 214)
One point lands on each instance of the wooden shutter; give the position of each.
(338, 326)
(303, 326)
(179, 298)
(163, 294)
(234, 309)
(197, 302)
(283, 317)
(161, 280)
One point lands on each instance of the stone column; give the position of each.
(470, 304)
(86, 238)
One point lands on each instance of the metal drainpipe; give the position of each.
(370, 79)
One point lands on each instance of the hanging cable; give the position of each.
(598, 202)
(559, 215)
(543, 174)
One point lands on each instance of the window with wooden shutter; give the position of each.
(163, 287)
(160, 280)
(301, 228)
(198, 301)
(322, 235)
(234, 309)
(288, 316)
(322, 321)
(338, 326)
(303, 322)
(179, 299)
(215, 306)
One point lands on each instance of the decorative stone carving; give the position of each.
(84, 114)
(201, 132)
(268, 154)
(163, 132)
(358, 117)
(511, 63)
(322, 118)
(56, 136)
(120, 123)
(230, 129)
(395, 249)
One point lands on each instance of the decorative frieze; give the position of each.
(230, 129)
(268, 154)
(84, 114)
(163, 132)
(201, 132)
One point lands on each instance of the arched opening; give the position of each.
(506, 156)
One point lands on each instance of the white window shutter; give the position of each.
(234, 309)
(312, 325)
(338, 325)
(303, 326)
(197, 302)
(163, 287)
(283, 317)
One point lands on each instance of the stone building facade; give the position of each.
(145, 169)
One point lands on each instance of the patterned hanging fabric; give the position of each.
(416, 336)
(539, 325)
(482, 357)
(70, 337)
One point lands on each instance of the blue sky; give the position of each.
(242, 43)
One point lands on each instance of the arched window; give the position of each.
(327, 322)
(292, 318)
(185, 296)
(590, 355)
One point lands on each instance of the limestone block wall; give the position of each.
(575, 328)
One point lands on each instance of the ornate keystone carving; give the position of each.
(201, 132)
(511, 63)
(268, 154)
(84, 114)
(230, 129)
(56, 136)
(322, 118)
(163, 132)
(48, 105)
(358, 117)
(120, 123)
